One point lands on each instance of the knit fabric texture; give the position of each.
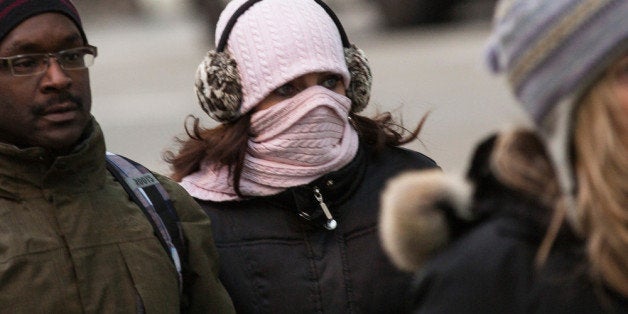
(294, 142)
(14, 12)
(554, 49)
(276, 41)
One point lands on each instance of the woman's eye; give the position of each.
(286, 90)
(331, 82)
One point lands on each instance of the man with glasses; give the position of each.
(71, 240)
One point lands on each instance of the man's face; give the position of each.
(51, 109)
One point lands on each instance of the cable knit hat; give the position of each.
(552, 50)
(14, 12)
(276, 41)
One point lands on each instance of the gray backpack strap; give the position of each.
(146, 191)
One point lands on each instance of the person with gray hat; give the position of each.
(71, 238)
(540, 223)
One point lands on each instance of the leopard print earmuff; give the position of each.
(218, 84)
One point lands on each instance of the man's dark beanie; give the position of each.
(14, 12)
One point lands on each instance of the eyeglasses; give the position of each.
(37, 63)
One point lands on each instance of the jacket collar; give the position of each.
(24, 172)
(335, 188)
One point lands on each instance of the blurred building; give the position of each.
(149, 51)
(391, 14)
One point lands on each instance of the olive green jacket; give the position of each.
(71, 240)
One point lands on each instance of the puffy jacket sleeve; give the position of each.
(488, 271)
(206, 293)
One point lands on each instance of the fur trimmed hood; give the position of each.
(417, 210)
(423, 211)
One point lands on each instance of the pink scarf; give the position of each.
(295, 142)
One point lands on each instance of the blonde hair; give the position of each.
(601, 168)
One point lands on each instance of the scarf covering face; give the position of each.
(294, 142)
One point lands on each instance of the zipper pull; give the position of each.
(331, 222)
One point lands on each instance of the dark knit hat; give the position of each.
(14, 12)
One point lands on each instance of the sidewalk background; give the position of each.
(142, 82)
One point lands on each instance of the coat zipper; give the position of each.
(331, 223)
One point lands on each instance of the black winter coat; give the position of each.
(489, 265)
(277, 256)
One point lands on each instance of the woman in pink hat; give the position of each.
(291, 176)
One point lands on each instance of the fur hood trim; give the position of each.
(415, 212)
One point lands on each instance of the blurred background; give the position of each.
(426, 57)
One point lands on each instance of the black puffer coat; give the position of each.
(488, 265)
(277, 256)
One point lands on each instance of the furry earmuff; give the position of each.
(220, 78)
(218, 86)
(359, 90)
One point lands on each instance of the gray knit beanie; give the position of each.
(552, 51)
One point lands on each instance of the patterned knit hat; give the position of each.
(14, 12)
(276, 41)
(552, 51)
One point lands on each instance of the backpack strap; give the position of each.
(146, 191)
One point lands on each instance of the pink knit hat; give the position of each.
(276, 41)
